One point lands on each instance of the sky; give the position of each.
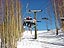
(47, 11)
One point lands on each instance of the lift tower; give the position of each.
(56, 22)
(35, 11)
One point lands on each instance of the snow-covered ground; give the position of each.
(0, 42)
(44, 40)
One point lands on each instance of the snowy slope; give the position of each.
(45, 40)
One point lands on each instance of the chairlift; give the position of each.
(28, 21)
(45, 18)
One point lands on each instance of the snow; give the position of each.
(0, 42)
(45, 39)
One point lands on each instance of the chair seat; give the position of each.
(62, 18)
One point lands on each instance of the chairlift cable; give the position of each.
(47, 4)
(49, 16)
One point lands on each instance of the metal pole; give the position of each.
(35, 26)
